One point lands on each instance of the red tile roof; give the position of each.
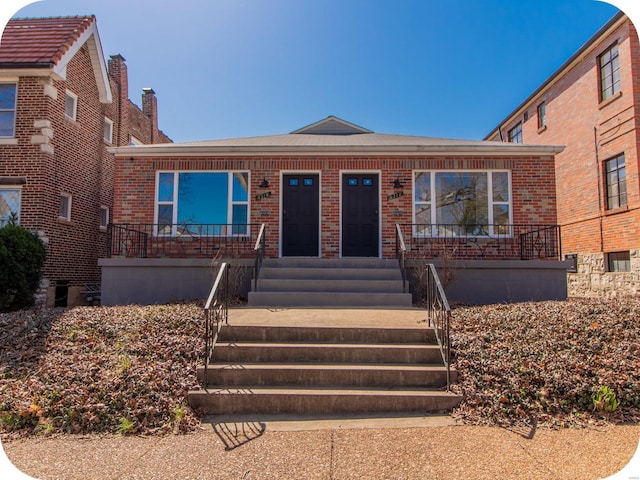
(40, 41)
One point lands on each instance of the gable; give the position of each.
(332, 126)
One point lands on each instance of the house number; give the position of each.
(395, 195)
(263, 195)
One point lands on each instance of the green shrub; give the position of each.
(22, 256)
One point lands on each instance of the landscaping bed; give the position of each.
(128, 369)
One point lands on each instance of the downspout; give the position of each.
(599, 177)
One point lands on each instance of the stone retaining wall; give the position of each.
(592, 279)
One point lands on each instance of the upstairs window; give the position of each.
(616, 182)
(8, 110)
(65, 207)
(609, 73)
(9, 205)
(104, 217)
(542, 115)
(70, 105)
(108, 130)
(515, 134)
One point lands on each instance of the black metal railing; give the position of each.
(259, 255)
(147, 240)
(439, 314)
(401, 255)
(481, 242)
(216, 314)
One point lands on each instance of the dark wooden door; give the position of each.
(360, 217)
(300, 215)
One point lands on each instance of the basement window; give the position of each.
(619, 262)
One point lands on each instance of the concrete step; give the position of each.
(313, 401)
(330, 285)
(319, 375)
(332, 335)
(238, 352)
(330, 263)
(328, 299)
(338, 274)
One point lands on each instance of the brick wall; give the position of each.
(533, 188)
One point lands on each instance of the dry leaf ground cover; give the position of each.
(128, 369)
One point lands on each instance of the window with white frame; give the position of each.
(104, 217)
(462, 203)
(70, 105)
(65, 207)
(10, 199)
(8, 98)
(108, 130)
(208, 203)
(133, 141)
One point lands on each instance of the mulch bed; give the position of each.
(128, 369)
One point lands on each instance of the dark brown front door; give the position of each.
(360, 217)
(300, 215)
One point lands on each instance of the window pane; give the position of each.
(203, 198)
(240, 187)
(423, 187)
(165, 218)
(7, 96)
(462, 199)
(423, 220)
(7, 122)
(500, 186)
(501, 220)
(70, 106)
(9, 204)
(165, 187)
(64, 206)
(239, 215)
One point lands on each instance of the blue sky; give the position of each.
(236, 68)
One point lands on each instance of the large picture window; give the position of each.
(189, 201)
(472, 203)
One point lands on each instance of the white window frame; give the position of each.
(69, 198)
(105, 209)
(133, 141)
(490, 202)
(108, 137)
(19, 190)
(174, 203)
(74, 97)
(14, 110)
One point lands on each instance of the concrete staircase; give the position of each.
(324, 371)
(320, 282)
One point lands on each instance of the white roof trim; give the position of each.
(91, 37)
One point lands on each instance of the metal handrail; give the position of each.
(439, 314)
(259, 254)
(401, 254)
(216, 312)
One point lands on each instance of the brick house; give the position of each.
(590, 105)
(61, 108)
(330, 190)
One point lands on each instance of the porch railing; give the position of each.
(148, 240)
(259, 254)
(439, 314)
(481, 242)
(401, 255)
(216, 314)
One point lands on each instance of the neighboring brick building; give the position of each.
(61, 108)
(591, 105)
(332, 190)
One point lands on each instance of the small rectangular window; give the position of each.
(619, 262)
(9, 205)
(65, 207)
(293, 182)
(133, 141)
(104, 217)
(609, 72)
(352, 182)
(542, 115)
(616, 182)
(307, 182)
(70, 105)
(108, 130)
(515, 134)
(8, 99)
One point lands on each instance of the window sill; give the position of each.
(542, 129)
(609, 100)
(616, 211)
(64, 221)
(8, 141)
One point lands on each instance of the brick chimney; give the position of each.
(150, 109)
(118, 73)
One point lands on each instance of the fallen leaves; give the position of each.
(546, 360)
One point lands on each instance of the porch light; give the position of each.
(397, 183)
(264, 184)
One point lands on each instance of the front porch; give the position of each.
(154, 263)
